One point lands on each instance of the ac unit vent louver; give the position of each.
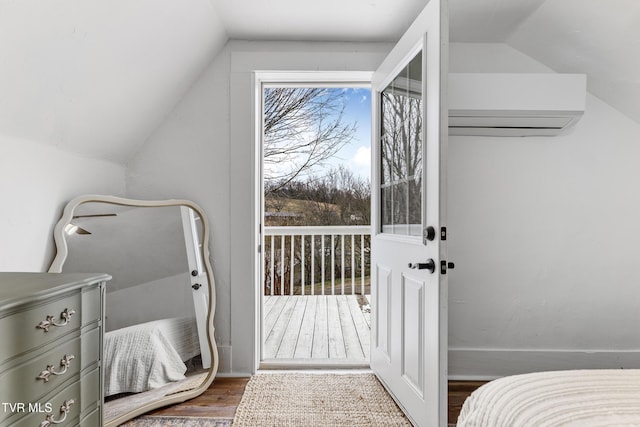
(514, 104)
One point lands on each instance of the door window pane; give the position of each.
(401, 151)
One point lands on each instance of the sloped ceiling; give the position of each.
(97, 77)
(598, 38)
(487, 21)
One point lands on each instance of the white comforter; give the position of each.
(584, 398)
(146, 356)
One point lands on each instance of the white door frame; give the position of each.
(283, 79)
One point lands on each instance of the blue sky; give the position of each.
(357, 154)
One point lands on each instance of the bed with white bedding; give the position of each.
(584, 398)
(149, 355)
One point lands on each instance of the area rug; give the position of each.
(153, 421)
(302, 399)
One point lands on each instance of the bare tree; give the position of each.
(337, 197)
(401, 144)
(303, 127)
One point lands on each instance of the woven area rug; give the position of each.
(296, 399)
(153, 421)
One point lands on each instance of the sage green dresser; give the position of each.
(50, 349)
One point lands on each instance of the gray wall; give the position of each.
(543, 233)
(36, 181)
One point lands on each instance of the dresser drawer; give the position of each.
(20, 383)
(85, 394)
(33, 327)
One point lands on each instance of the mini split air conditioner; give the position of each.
(514, 104)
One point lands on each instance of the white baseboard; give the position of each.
(224, 359)
(233, 375)
(488, 364)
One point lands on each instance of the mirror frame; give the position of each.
(62, 251)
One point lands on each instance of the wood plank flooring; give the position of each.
(319, 329)
(222, 398)
(458, 392)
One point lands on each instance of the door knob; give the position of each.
(429, 233)
(429, 265)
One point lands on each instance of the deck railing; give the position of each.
(317, 260)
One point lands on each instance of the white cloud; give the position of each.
(362, 157)
(361, 162)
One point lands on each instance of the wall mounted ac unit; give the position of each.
(514, 104)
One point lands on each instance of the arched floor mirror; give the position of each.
(159, 345)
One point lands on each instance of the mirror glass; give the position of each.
(158, 345)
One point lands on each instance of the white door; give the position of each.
(192, 226)
(409, 293)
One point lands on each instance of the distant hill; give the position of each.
(296, 206)
(281, 211)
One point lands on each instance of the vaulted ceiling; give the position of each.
(98, 77)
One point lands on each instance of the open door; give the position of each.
(409, 286)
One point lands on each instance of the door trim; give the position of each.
(262, 79)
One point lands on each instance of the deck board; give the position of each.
(305, 338)
(292, 332)
(360, 322)
(334, 328)
(273, 314)
(268, 304)
(320, 348)
(352, 345)
(274, 339)
(325, 329)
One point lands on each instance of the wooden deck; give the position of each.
(317, 330)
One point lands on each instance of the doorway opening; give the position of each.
(315, 145)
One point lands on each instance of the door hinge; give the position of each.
(259, 249)
(443, 233)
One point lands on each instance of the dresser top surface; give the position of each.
(19, 288)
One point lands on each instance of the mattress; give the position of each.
(182, 333)
(582, 398)
(147, 356)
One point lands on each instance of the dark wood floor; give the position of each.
(220, 400)
(458, 392)
(223, 397)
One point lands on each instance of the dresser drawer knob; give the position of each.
(51, 370)
(65, 316)
(65, 408)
